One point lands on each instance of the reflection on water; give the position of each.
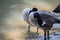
(12, 26)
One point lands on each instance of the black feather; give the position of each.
(40, 22)
(57, 9)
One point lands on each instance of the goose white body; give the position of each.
(26, 15)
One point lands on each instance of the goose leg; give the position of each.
(48, 34)
(44, 35)
(37, 32)
(28, 28)
(29, 31)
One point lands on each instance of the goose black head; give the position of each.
(33, 10)
(39, 19)
(36, 15)
(57, 9)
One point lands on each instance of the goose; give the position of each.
(37, 18)
(26, 13)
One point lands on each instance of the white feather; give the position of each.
(26, 15)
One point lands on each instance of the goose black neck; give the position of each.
(36, 15)
(40, 21)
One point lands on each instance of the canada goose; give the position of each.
(26, 13)
(37, 18)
